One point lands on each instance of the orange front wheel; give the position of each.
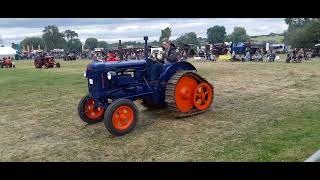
(121, 117)
(88, 112)
(92, 112)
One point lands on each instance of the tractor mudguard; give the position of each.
(157, 99)
(170, 69)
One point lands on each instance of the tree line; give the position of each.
(52, 38)
(302, 32)
(215, 34)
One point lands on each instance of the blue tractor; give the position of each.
(239, 47)
(113, 86)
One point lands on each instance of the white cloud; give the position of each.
(131, 29)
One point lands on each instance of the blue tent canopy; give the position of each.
(238, 47)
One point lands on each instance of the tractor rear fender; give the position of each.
(170, 69)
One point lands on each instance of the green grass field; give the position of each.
(261, 112)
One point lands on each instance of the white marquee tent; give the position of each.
(7, 52)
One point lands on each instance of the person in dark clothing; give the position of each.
(170, 54)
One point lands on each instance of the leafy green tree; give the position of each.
(239, 34)
(294, 23)
(74, 44)
(216, 34)
(70, 35)
(53, 38)
(188, 38)
(33, 42)
(154, 43)
(165, 34)
(304, 37)
(91, 43)
(103, 44)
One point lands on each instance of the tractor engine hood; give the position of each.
(116, 66)
(100, 86)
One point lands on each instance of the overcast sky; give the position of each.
(132, 29)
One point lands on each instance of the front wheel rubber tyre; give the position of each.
(87, 113)
(121, 117)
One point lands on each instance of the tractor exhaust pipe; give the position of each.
(120, 50)
(145, 38)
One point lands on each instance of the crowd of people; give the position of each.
(171, 53)
(296, 55)
(137, 54)
(27, 55)
(133, 54)
(32, 55)
(175, 54)
(258, 55)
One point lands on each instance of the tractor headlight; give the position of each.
(110, 74)
(90, 81)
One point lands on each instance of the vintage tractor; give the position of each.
(46, 61)
(113, 86)
(219, 49)
(70, 56)
(7, 63)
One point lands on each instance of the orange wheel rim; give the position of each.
(203, 96)
(184, 93)
(91, 112)
(122, 117)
